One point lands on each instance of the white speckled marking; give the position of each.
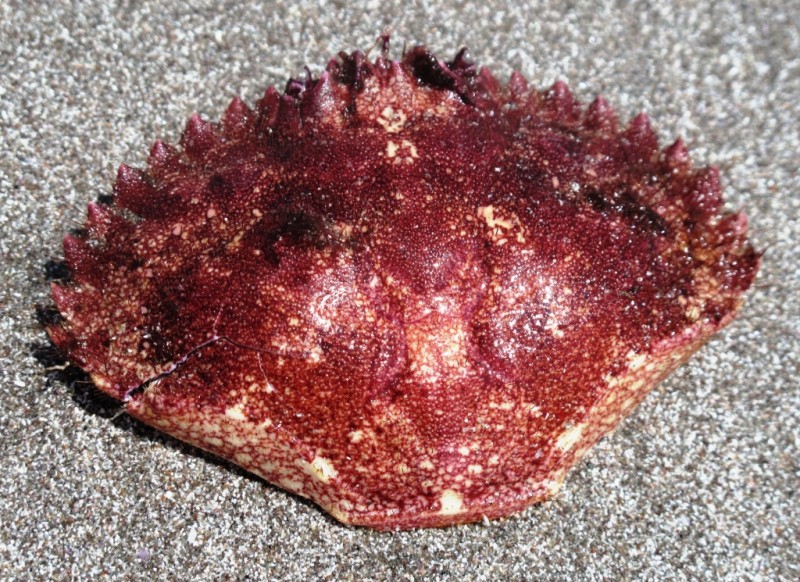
(320, 468)
(392, 120)
(451, 502)
(235, 413)
(569, 437)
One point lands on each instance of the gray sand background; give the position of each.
(700, 483)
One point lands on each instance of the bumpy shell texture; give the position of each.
(404, 290)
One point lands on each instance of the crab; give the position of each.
(404, 290)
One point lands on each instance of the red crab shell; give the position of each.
(403, 290)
